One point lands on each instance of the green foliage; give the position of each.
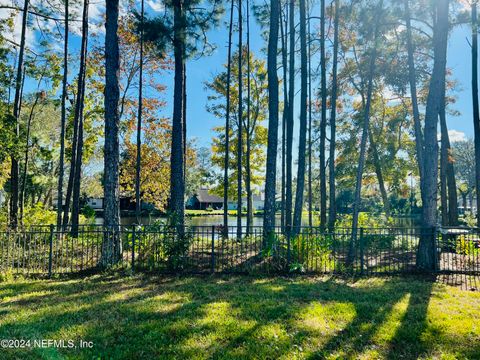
(162, 243)
(200, 172)
(257, 133)
(39, 214)
(365, 220)
(376, 242)
(88, 212)
(198, 17)
(465, 246)
(470, 219)
(311, 248)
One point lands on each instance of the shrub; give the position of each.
(39, 215)
(365, 220)
(466, 247)
(162, 243)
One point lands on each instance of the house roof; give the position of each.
(204, 197)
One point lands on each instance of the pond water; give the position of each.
(210, 220)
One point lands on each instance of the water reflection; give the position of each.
(210, 220)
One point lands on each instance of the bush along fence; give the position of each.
(46, 251)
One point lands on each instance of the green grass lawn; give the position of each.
(148, 317)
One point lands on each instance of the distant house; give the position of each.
(203, 200)
(95, 203)
(258, 202)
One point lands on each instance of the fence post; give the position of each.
(213, 250)
(361, 252)
(50, 252)
(134, 236)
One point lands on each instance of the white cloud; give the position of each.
(15, 35)
(456, 136)
(155, 5)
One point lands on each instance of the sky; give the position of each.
(200, 123)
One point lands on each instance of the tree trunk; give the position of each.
(184, 116)
(285, 112)
(271, 172)
(138, 165)
(363, 143)
(227, 126)
(240, 117)
(111, 249)
(63, 121)
(248, 134)
(332, 193)
(79, 106)
(419, 141)
(443, 179)
(379, 173)
(471, 201)
(16, 115)
(290, 123)
(426, 249)
(177, 184)
(73, 156)
(309, 185)
(451, 182)
(297, 215)
(476, 110)
(323, 121)
(464, 200)
(26, 159)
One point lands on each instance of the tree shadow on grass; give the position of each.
(218, 317)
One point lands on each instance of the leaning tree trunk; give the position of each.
(363, 142)
(332, 213)
(227, 125)
(14, 172)
(240, 117)
(79, 107)
(138, 165)
(111, 249)
(323, 120)
(63, 121)
(297, 215)
(426, 248)
(271, 172)
(76, 121)
(290, 122)
(476, 110)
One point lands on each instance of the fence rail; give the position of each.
(46, 251)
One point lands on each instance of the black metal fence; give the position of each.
(46, 251)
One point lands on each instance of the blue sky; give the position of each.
(200, 122)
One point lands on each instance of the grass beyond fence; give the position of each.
(43, 250)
